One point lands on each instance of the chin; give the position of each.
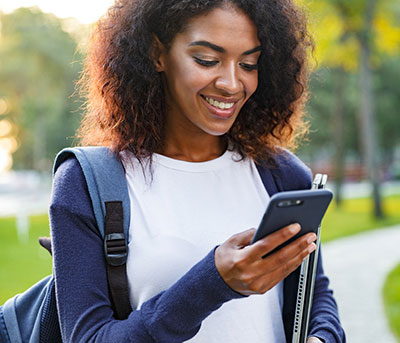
(217, 130)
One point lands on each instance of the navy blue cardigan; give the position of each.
(174, 315)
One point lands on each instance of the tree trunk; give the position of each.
(338, 124)
(367, 109)
(39, 143)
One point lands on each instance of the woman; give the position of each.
(191, 94)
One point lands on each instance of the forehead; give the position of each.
(227, 26)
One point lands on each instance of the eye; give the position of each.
(205, 63)
(249, 67)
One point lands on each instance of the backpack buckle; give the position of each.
(115, 249)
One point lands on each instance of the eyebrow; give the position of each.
(221, 49)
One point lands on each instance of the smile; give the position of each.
(219, 108)
(219, 104)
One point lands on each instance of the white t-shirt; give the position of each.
(177, 216)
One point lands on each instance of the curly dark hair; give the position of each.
(125, 107)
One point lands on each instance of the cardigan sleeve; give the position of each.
(83, 301)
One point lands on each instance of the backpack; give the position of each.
(31, 317)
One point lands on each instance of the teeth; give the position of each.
(220, 104)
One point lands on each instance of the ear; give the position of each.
(157, 54)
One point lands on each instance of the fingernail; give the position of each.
(294, 228)
(311, 248)
(311, 239)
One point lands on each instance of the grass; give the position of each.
(24, 263)
(391, 299)
(354, 216)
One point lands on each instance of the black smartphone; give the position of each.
(306, 207)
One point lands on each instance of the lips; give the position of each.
(220, 107)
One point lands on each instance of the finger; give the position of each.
(293, 263)
(242, 239)
(273, 240)
(286, 269)
(295, 249)
(313, 340)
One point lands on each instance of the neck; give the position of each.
(192, 146)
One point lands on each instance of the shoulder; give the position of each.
(290, 171)
(69, 176)
(69, 169)
(70, 188)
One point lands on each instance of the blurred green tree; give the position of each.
(37, 75)
(356, 35)
(323, 116)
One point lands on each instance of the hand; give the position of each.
(243, 267)
(313, 340)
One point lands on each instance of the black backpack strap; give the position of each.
(116, 253)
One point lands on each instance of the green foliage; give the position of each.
(391, 299)
(338, 26)
(321, 107)
(37, 75)
(321, 114)
(22, 263)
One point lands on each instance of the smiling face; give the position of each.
(210, 71)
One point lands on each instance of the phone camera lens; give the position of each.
(285, 203)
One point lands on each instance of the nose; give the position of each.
(228, 80)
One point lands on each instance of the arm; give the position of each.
(83, 302)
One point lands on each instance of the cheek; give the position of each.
(187, 79)
(194, 81)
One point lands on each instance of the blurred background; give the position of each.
(354, 116)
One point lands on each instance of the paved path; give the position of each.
(25, 203)
(357, 267)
